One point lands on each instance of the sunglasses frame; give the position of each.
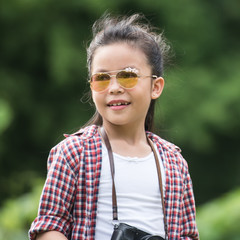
(128, 70)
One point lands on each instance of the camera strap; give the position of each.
(111, 161)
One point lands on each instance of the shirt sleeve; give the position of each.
(189, 228)
(56, 202)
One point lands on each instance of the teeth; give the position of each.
(119, 104)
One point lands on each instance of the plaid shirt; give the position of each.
(69, 199)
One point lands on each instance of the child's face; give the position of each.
(118, 105)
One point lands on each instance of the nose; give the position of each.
(114, 86)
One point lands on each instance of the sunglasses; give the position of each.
(127, 79)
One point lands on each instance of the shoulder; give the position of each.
(166, 145)
(72, 147)
(78, 138)
(170, 153)
(84, 133)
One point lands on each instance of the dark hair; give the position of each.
(108, 30)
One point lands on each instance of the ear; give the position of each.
(157, 87)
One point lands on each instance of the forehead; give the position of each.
(119, 56)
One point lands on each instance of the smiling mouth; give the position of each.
(119, 104)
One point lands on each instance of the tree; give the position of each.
(43, 77)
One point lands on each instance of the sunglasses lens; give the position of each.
(100, 81)
(127, 79)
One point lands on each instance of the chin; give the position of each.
(117, 122)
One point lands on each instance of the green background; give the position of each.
(43, 77)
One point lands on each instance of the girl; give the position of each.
(125, 63)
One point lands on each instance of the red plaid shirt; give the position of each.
(69, 199)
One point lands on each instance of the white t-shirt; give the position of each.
(138, 195)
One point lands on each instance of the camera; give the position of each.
(124, 231)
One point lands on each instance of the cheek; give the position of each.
(97, 98)
(94, 98)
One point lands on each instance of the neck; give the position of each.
(127, 141)
(128, 133)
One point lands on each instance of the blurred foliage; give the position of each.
(17, 214)
(5, 115)
(43, 77)
(220, 219)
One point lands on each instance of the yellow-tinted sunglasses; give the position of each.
(127, 79)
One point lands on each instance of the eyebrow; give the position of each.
(101, 70)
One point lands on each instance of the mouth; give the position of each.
(117, 103)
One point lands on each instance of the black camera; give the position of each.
(123, 231)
